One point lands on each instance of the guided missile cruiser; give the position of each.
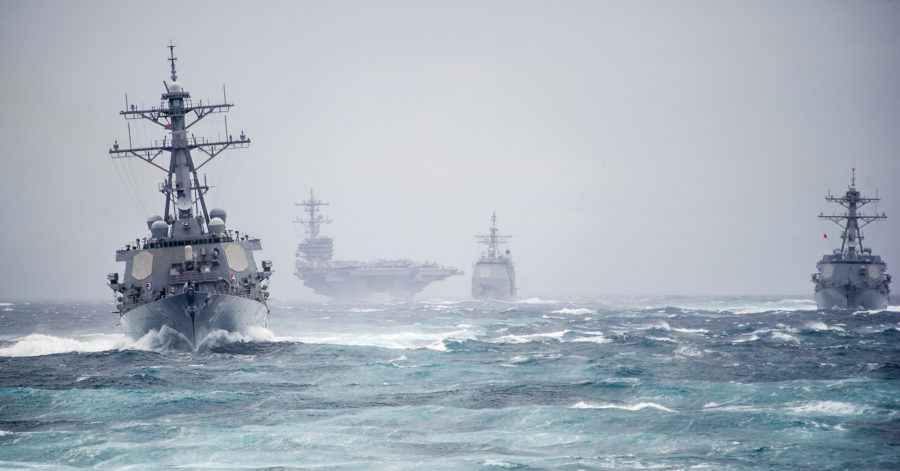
(192, 275)
(493, 275)
(851, 277)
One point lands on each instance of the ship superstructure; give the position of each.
(352, 280)
(851, 277)
(192, 275)
(494, 275)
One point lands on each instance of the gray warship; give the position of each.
(351, 280)
(493, 275)
(851, 277)
(191, 275)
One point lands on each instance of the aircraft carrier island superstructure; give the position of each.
(851, 277)
(355, 281)
(191, 275)
(493, 275)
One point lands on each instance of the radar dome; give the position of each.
(216, 226)
(152, 219)
(174, 87)
(218, 213)
(159, 229)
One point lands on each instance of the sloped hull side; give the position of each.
(838, 298)
(492, 281)
(362, 285)
(210, 313)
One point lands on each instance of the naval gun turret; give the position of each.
(851, 277)
(192, 274)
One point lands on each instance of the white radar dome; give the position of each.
(174, 87)
(218, 213)
(152, 219)
(216, 226)
(159, 229)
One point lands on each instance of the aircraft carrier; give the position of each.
(851, 277)
(494, 275)
(191, 276)
(357, 281)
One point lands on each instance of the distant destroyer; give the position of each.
(348, 280)
(192, 275)
(851, 277)
(494, 276)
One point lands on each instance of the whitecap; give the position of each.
(688, 351)
(691, 331)
(530, 337)
(828, 408)
(38, 345)
(252, 334)
(391, 340)
(746, 338)
(535, 301)
(574, 311)
(656, 325)
(785, 337)
(816, 325)
(632, 407)
(364, 309)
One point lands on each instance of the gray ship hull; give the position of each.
(851, 298)
(370, 284)
(195, 315)
(493, 281)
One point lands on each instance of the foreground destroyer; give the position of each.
(851, 277)
(494, 276)
(351, 280)
(192, 275)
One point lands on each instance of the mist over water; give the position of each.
(545, 383)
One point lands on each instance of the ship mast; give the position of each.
(183, 190)
(851, 243)
(314, 223)
(493, 240)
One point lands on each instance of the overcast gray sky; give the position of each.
(630, 147)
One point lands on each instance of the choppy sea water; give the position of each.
(559, 384)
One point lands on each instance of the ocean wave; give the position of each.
(687, 351)
(525, 338)
(500, 464)
(828, 408)
(365, 309)
(559, 336)
(390, 340)
(535, 301)
(38, 345)
(752, 337)
(219, 338)
(691, 331)
(580, 311)
(593, 339)
(785, 337)
(631, 407)
(821, 327)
